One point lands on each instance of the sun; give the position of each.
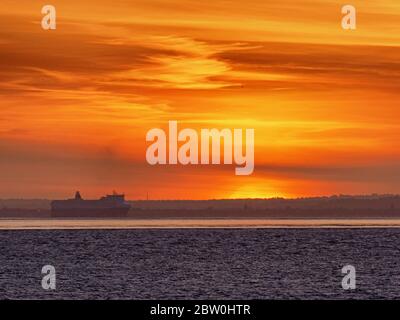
(255, 192)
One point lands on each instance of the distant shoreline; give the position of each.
(333, 207)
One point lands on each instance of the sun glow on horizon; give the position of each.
(255, 192)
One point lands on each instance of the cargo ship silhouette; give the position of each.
(108, 206)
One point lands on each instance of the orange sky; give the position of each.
(76, 102)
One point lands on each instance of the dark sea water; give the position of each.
(200, 263)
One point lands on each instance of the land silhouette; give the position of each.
(331, 207)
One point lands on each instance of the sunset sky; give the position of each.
(76, 102)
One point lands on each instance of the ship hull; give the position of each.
(90, 213)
